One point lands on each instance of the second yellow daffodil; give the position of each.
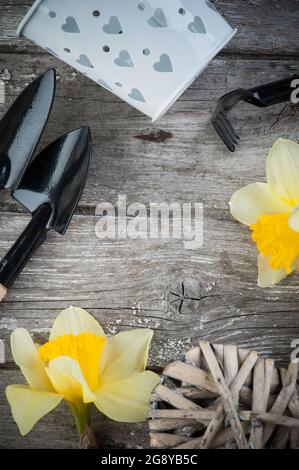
(271, 210)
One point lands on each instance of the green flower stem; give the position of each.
(81, 413)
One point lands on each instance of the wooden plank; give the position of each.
(181, 169)
(265, 26)
(120, 283)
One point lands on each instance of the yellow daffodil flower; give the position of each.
(80, 365)
(271, 210)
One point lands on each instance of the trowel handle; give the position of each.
(29, 241)
(273, 93)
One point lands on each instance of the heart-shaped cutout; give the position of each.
(70, 25)
(136, 95)
(210, 5)
(104, 84)
(164, 64)
(197, 26)
(84, 60)
(158, 20)
(124, 59)
(113, 27)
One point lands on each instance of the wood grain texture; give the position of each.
(265, 26)
(135, 283)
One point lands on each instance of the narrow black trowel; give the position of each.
(22, 126)
(50, 189)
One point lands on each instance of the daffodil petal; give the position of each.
(294, 219)
(26, 357)
(29, 406)
(68, 380)
(65, 385)
(74, 320)
(283, 170)
(248, 203)
(125, 354)
(127, 401)
(268, 277)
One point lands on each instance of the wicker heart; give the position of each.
(70, 25)
(124, 59)
(136, 95)
(84, 60)
(113, 27)
(197, 26)
(158, 20)
(164, 64)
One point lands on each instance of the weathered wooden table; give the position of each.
(127, 283)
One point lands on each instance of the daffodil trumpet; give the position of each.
(81, 365)
(271, 210)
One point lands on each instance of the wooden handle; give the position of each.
(3, 292)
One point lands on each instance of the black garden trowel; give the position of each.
(22, 126)
(50, 189)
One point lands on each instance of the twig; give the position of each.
(283, 398)
(235, 387)
(225, 394)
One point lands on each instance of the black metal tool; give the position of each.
(261, 96)
(22, 126)
(50, 189)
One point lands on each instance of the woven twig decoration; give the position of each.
(225, 397)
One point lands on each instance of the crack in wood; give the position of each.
(188, 293)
